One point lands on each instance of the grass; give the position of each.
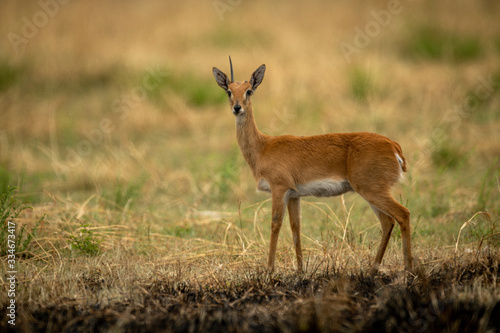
(197, 91)
(9, 74)
(157, 225)
(14, 239)
(217, 290)
(448, 156)
(124, 194)
(427, 42)
(5, 180)
(223, 38)
(361, 84)
(85, 242)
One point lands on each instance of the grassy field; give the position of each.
(143, 215)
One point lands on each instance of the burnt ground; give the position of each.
(449, 297)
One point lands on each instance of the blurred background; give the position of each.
(109, 113)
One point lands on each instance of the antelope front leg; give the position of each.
(278, 210)
(294, 214)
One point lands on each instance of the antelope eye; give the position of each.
(249, 92)
(228, 93)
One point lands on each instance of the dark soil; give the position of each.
(451, 298)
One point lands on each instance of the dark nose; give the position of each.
(237, 109)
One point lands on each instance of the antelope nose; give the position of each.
(236, 109)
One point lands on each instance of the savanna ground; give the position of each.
(143, 214)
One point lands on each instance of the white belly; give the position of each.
(318, 188)
(321, 188)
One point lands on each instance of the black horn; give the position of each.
(231, 64)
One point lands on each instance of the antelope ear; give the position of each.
(221, 78)
(257, 77)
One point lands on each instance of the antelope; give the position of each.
(290, 167)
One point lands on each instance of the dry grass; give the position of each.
(113, 127)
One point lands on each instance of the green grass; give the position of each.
(123, 194)
(448, 156)
(481, 101)
(198, 91)
(85, 242)
(9, 74)
(5, 180)
(361, 84)
(15, 238)
(487, 193)
(431, 43)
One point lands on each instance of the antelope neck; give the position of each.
(250, 139)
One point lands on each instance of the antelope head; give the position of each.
(239, 92)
